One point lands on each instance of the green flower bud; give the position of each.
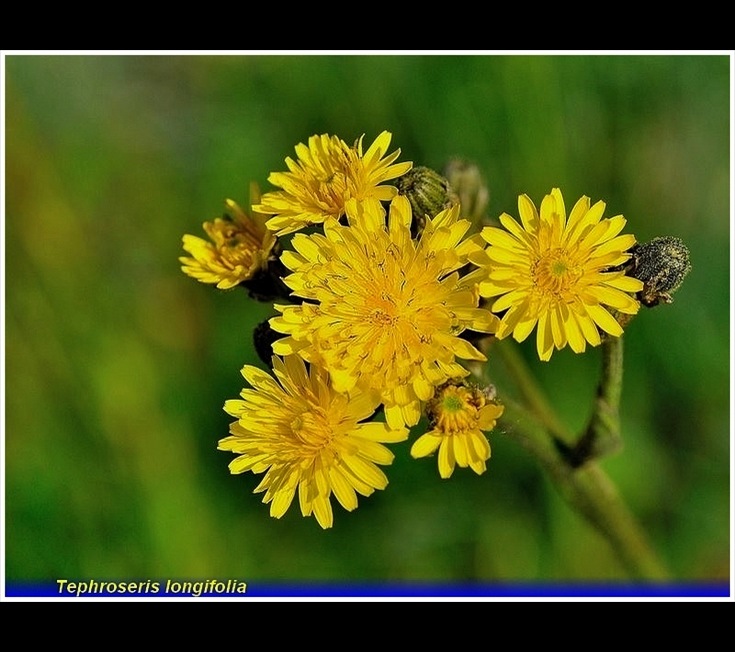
(428, 192)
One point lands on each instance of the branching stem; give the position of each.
(602, 436)
(571, 466)
(588, 490)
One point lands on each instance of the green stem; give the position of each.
(588, 490)
(529, 389)
(577, 477)
(602, 436)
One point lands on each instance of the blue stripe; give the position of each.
(242, 589)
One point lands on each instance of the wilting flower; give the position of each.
(558, 275)
(327, 173)
(384, 313)
(239, 247)
(458, 415)
(305, 436)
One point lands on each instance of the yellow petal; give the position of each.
(282, 501)
(366, 471)
(514, 228)
(523, 326)
(394, 416)
(343, 490)
(544, 338)
(446, 458)
(613, 298)
(588, 328)
(604, 319)
(423, 388)
(425, 445)
(411, 413)
(624, 283)
(377, 431)
(286, 346)
(375, 452)
(377, 149)
(572, 330)
(460, 450)
(259, 378)
(557, 329)
(323, 511)
(529, 214)
(498, 238)
(578, 212)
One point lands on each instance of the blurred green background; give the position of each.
(117, 364)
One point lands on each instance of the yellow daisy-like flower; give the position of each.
(303, 435)
(458, 415)
(558, 275)
(326, 175)
(384, 313)
(239, 247)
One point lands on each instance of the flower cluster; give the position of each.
(386, 286)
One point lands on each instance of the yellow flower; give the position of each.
(329, 172)
(557, 274)
(458, 414)
(239, 247)
(384, 313)
(305, 436)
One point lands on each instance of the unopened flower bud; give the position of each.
(428, 192)
(468, 184)
(662, 265)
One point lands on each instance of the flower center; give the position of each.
(313, 430)
(382, 318)
(327, 177)
(383, 310)
(455, 409)
(236, 243)
(330, 192)
(452, 403)
(555, 273)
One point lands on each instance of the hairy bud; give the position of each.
(662, 265)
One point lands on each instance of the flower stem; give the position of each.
(530, 391)
(602, 436)
(588, 490)
(571, 467)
